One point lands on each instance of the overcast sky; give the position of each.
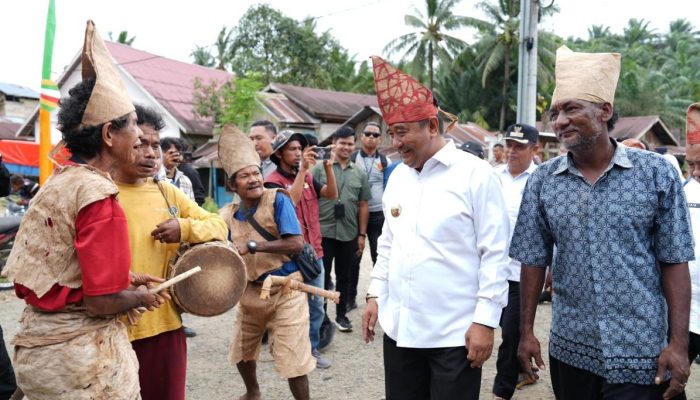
(173, 28)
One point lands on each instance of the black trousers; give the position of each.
(7, 374)
(507, 363)
(374, 229)
(571, 383)
(429, 374)
(345, 260)
(693, 346)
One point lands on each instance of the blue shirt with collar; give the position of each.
(609, 313)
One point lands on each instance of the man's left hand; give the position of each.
(168, 231)
(675, 359)
(360, 245)
(479, 343)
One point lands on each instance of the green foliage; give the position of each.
(210, 205)
(233, 102)
(123, 38)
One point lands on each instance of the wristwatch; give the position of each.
(370, 296)
(252, 246)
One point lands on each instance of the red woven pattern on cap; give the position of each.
(692, 124)
(401, 98)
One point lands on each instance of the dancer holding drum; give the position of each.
(286, 316)
(160, 216)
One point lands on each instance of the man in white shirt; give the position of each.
(439, 283)
(522, 143)
(692, 194)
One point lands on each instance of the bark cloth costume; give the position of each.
(73, 242)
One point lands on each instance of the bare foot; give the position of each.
(251, 396)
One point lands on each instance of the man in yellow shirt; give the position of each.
(156, 228)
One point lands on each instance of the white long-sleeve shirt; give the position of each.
(443, 252)
(692, 194)
(513, 188)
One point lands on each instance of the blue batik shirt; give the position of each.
(609, 313)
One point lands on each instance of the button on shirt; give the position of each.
(609, 314)
(442, 260)
(692, 193)
(513, 188)
(352, 188)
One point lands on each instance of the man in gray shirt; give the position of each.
(262, 133)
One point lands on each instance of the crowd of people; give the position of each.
(458, 246)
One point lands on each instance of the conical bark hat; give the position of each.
(586, 76)
(236, 150)
(109, 99)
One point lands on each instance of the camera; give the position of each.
(323, 153)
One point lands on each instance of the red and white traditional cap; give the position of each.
(692, 124)
(401, 98)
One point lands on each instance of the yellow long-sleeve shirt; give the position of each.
(145, 208)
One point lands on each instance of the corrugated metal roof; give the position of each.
(284, 110)
(170, 82)
(326, 105)
(11, 89)
(8, 129)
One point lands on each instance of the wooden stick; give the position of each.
(174, 280)
(292, 284)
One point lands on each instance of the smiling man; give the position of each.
(619, 219)
(439, 283)
(692, 192)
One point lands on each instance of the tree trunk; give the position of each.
(504, 90)
(430, 65)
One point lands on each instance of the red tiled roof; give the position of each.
(325, 104)
(169, 81)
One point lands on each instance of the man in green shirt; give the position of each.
(344, 221)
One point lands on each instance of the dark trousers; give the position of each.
(345, 260)
(571, 383)
(693, 346)
(507, 363)
(434, 374)
(374, 229)
(162, 365)
(7, 374)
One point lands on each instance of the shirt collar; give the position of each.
(365, 155)
(446, 154)
(285, 173)
(620, 158)
(504, 169)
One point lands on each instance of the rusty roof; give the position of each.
(284, 110)
(327, 105)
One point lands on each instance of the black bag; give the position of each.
(306, 260)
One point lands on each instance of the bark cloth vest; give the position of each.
(307, 209)
(242, 232)
(43, 253)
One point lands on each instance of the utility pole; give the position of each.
(527, 62)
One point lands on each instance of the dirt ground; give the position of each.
(356, 374)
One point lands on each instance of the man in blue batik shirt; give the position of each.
(619, 219)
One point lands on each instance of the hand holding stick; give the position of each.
(292, 284)
(135, 313)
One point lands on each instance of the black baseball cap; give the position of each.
(523, 133)
(474, 148)
(282, 138)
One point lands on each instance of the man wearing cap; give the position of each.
(262, 133)
(265, 212)
(440, 280)
(692, 193)
(159, 217)
(522, 143)
(620, 221)
(70, 262)
(294, 159)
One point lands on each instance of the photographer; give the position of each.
(343, 221)
(294, 158)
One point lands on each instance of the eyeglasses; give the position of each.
(373, 134)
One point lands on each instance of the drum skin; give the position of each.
(217, 288)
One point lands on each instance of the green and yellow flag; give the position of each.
(49, 90)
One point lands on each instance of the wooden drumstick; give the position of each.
(135, 313)
(293, 284)
(174, 280)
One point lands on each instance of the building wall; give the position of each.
(20, 109)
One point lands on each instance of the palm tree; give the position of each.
(202, 56)
(224, 48)
(431, 41)
(123, 38)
